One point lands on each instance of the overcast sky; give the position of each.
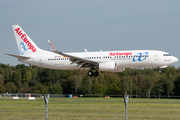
(73, 25)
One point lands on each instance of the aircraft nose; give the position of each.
(174, 59)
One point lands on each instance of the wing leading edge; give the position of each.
(81, 62)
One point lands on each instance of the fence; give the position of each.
(61, 107)
(80, 95)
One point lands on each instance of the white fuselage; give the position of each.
(124, 59)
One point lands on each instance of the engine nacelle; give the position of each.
(120, 70)
(107, 66)
(110, 66)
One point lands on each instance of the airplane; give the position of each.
(111, 61)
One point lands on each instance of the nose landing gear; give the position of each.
(160, 71)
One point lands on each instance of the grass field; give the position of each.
(89, 109)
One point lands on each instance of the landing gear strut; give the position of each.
(91, 73)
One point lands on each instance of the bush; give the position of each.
(56, 89)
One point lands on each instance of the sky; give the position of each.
(75, 25)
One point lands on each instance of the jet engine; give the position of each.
(110, 66)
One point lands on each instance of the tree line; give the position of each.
(147, 81)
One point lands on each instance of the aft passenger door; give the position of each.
(41, 61)
(156, 57)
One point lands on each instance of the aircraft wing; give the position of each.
(17, 56)
(83, 63)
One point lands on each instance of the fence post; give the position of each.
(46, 99)
(126, 102)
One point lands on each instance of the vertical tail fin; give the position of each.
(25, 45)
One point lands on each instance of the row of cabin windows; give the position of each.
(130, 56)
(92, 57)
(115, 57)
(107, 57)
(100, 57)
(58, 59)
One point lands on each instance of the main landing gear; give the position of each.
(91, 73)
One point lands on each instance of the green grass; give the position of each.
(89, 109)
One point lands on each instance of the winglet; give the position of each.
(85, 50)
(51, 46)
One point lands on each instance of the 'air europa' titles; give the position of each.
(118, 54)
(24, 38)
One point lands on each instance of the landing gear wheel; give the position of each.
(93, 73)
(96, 73)
(90, 73)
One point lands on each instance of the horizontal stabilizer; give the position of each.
(163, 66)
(17, 56)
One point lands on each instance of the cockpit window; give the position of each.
(166, 54)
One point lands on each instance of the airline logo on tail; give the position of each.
(25, 43)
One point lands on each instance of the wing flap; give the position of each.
(74, 58)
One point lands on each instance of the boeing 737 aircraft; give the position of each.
(112, 61)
